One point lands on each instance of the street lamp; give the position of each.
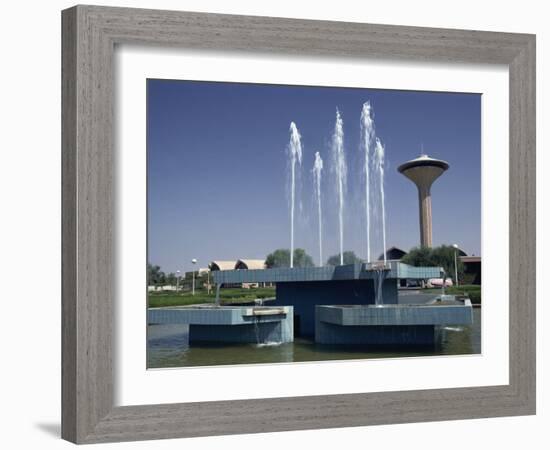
(456, 264)
(177, 280)
(194, 261)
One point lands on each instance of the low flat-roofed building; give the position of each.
(203, 271)
(472, 268)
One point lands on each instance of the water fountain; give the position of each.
(295, 154)
(317, 173)
(371, 145)
(367, 137)
(379, 167)
(345, 304)
(340, 169)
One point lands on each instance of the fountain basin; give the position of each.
(236, 324)
(388, 325)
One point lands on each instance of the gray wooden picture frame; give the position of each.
(90, 34)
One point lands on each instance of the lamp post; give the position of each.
(456, 264)
(194, 261)
(177, 280)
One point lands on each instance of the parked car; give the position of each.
(438, 282)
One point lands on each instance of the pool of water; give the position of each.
(168, 347)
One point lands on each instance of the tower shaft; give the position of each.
(425, 215)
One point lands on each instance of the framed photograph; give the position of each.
(277, 224)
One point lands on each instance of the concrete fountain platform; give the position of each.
(359, 271)
(305, 287)
(234, 324)
(388, 325)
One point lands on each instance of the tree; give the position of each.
(171, 279)
(349, 258)
(155, 276)
(302, 259)
(442, 256)
(281, 258)
(419, 256)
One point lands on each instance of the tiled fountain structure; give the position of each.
(335, 304)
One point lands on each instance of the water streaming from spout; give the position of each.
(379, 276)
(257, 329)
(379, 167)
(339, 161)
(367, 137)
(295, 154)
(317, 173)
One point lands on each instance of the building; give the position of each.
(472, 264)
(222, 265)
(250, 264)
(472, 268)
(240, 264)
(392, 254)
(203, 271)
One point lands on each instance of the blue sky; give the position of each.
(218, 168)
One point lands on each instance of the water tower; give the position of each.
(423, 171)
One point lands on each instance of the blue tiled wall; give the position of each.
(304, 296)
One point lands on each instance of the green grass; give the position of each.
(473, 291)
(227, 297)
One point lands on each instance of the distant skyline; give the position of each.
(217, 168)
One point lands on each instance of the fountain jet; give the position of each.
(339, 161)
(379, 156)
(295, 154)
(367, 137)
(317, 169)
